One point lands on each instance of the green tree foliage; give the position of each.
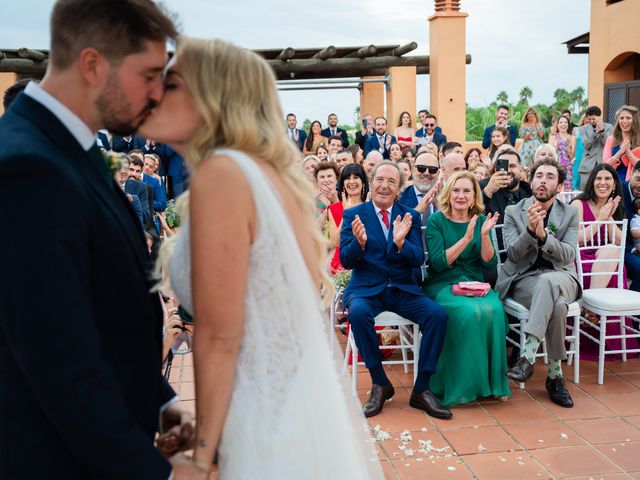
(525, 95)
(480, 118)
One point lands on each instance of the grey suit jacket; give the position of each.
(522, 251)
(593, 143)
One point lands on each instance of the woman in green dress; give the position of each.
(473, 361)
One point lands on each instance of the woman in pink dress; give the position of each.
(600, 201)
(565, 145)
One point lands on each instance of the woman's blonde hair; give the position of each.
(444, 198)
(234, 91)
(526, 114)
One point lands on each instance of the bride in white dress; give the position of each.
(248, 264)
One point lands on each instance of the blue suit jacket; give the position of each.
(302, 136)
(137, 207)
(159, 197)
(438, 137)
(139, 189)
(58, 308)
(408, 198)
(119, 144)
(373, 144)
(513, 135)
(104, 141)
(342, 133)
(379, 263)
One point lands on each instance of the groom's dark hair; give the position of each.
(116, 28)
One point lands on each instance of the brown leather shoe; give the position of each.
(379, 394)
(428, 402)
(521, 371)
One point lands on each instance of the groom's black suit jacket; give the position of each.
(80, 334)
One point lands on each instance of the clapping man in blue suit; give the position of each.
(380, 141)
(380, 241)
(502, 118)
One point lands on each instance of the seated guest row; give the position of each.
(541, 233)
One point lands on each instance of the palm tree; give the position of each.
(502, 97)
(525, 95)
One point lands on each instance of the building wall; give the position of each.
(614, 32)
(6, 80)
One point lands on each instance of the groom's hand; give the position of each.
(178, 431)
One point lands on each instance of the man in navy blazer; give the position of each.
(430, 132)
(333, 130)
(380, 241)
(295, 134)
(126, 143)
(80, 331)
(502, 117)
(380, 140)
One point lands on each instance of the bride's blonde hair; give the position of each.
(234, 91)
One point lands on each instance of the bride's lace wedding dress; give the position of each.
(290, 416)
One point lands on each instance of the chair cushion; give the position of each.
(611, 299)
(514, 307)
(384, 319)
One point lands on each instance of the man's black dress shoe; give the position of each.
(521, 371)
(513, 358)
(558, 392)
(379, 394)
(428, 402)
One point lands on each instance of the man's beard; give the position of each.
(514, 183)
(423, 187)
(544, 197)
(115, 110)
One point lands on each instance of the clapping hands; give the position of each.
(489, 223)
(609, 208)
(536, 219)
(401, 227)
(359, 231)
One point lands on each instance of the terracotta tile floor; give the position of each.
(527, 437)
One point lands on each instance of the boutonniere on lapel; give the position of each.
(113, 161)
(551, 229)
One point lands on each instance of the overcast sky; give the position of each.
(512, 42)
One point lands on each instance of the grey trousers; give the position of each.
(547, 294)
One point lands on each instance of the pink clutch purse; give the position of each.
(470, 289)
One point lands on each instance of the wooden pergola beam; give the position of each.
(363, 52)
(325, 53)
(286, 54)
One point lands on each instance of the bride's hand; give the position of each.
(184, 468)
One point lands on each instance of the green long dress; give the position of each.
(473, 361)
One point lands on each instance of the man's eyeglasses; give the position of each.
(424, 168)
(429, 124)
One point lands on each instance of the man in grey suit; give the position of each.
(593, 133)
(540, 274)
